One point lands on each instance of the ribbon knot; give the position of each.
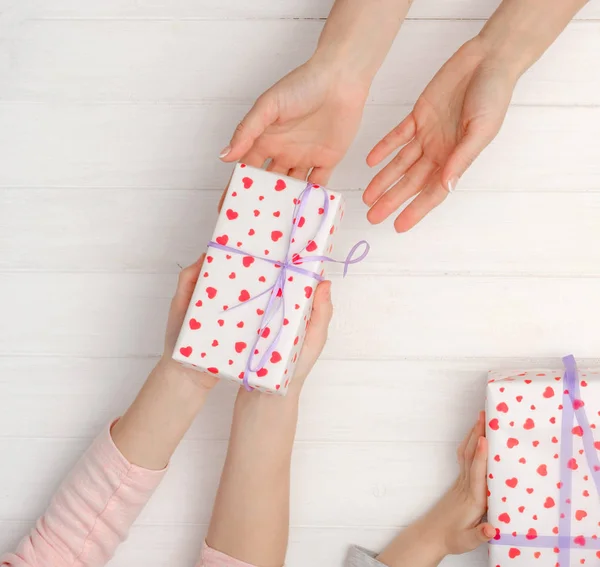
(289, 263)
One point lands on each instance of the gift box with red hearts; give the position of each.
(543, 430)
(242, 309)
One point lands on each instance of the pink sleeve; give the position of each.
(212, 558)
(90, 514)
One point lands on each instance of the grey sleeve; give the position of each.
(359, 557)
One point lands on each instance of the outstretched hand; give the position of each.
(304, 124)
(457, 116)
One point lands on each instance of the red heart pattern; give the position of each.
(218, 335)
(524, 412)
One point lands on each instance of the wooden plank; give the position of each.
(74, 397)
(389, 483)
(159, 545)
(257, 9)
(124, 315)
(158, 146)
(123, 230)
(60, 397)
(166, 61)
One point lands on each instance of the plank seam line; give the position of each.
(120, 188)
(357, 273)
(224, 102)
(542, 361)
(319, 19)
(205, 525)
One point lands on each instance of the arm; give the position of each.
(151, 429)
(309, 118)
(454, 525)
(358, 35)
(462, 110)
(519, 32)
(92, 511)
(250, 520)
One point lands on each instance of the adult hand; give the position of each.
(304, 123)
(457, 116)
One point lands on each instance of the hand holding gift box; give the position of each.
(250, 309)
(544, 470)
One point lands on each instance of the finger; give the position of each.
(261, 115)
(188, 277)
(399, 136)
(478, 473)
(466, 152)
(299, 173)
(278, 167)
(471, 447)
(432, 196)
(224, 194)
(221, 200)
(481, 424)
(460, 452)
(392, 172)
(254, 158)
(412, 182)
(476, 536)
(322, 312)
(320, 175)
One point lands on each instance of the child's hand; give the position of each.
(179, 304)
(458, 516)
(316, 335)
(305, 121)
(457, 116)
(454, 525)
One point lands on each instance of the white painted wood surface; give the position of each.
(111, 116)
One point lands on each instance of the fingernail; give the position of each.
(452, 183)
(224, 151)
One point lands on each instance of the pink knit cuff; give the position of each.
(107, 452)
(212, 558)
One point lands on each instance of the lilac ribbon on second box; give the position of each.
(573, 408)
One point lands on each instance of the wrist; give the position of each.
(188, 381)
(341, 66)
(156, 421)
(265, 407)
(508, 52)
(420, 545)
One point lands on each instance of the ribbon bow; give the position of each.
(573, 409)
(290, 263)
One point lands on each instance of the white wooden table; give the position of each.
(112, 114)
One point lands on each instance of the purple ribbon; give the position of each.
(573, 409)
(276, 303)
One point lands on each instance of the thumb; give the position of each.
(465, 153)
(478, 535)
(261, 115)
(320, 318)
